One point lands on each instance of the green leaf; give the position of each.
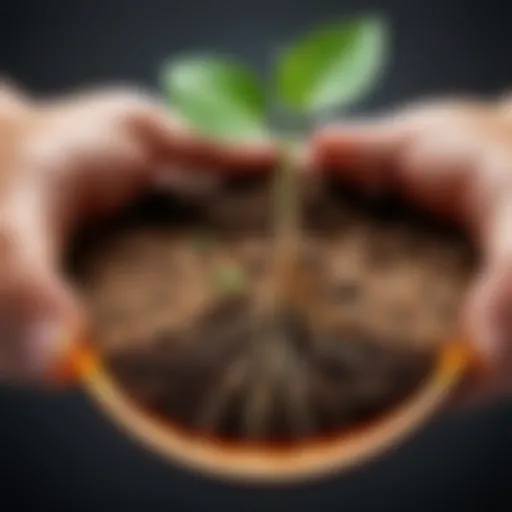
(230, 279)
(332, 67)
(218, 98)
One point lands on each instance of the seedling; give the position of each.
(230, 279)
(329, 70)
(274, 385)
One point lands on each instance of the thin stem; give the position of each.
(287, 223)
(291, 285)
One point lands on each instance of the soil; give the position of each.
(174, 289)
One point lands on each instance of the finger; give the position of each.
(172, 142)
(37, 319)
(103, 180)
(168, 140)
(429, 168)
(365, 154)
(446, 163)
(436, 171)
(487, 314)
(401, 150)
(37, 309)
(486, 320)
(493, 295)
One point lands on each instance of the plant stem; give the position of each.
(292, 285)
(287, 221)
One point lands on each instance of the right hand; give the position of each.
(455, 160)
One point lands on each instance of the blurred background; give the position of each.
(57, 451)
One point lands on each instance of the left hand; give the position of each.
(61, 162)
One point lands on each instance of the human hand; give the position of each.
(62, 162)
(453, 158)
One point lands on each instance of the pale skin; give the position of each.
(454, 159)
(64, 161)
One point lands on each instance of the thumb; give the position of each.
(37, 309)
(37, 312)
(361, 152)
(487, 316)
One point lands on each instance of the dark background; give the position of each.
(56, 451)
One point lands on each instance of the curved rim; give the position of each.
(307, 460)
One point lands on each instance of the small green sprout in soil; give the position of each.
(230, 279)
(322, 321)
(328, 70)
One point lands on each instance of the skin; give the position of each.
(63, 162)
(454, 159)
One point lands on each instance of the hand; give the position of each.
(61, 162)
(454, 159)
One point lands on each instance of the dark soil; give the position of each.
(173, 287)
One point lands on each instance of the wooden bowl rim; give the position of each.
(304, 461)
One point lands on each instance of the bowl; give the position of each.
(256, 465)
(267, 463)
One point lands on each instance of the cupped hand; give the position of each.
(453, 158)
(60, 163)
(66, 160)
